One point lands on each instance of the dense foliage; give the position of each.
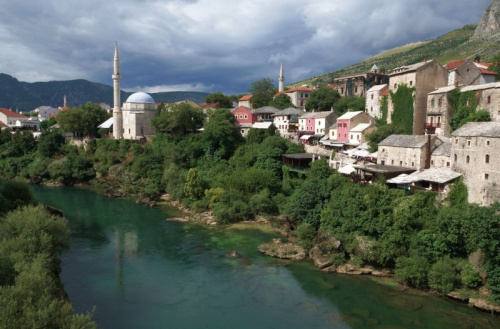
(464, 109)
(403, 105)
(322, 99)
(31, 241)
(219, 98)
(281, 102)
(262, 91)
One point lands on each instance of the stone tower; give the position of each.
(65, 103)
(117, 111)
(281, 86)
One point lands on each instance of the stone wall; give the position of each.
(402, 156)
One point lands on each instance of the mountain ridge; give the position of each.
(26, 96)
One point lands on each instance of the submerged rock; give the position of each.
(232, 254)
(284, 250)
(178, 219)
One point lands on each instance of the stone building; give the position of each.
(439, 112)
(245, 101)
(466, 73)
(441, 156)
(374, 98)
(409, 151)
(487, 97)
(287, 121)
(425, 77)
(359, 84)
(298, 95)
(474, 152)
(264, 114)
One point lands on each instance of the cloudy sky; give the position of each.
(212, 45)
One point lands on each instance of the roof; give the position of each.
(298, 156)
(384, 169)
(485, 71)
(262, 125)
(208, 106)
(106, 124)
(361, 127)
(377, 88)
(478, 129)
(409, 68)
(481, 87)
(140, 97)
(266, 109)
(454, 64)
(244, 108)
(442, 90)
(349, 115)
(318, 115)
(9, 113)
(442, 150)
(483, 67)
(434, 175)
(410, 141)
(245, 98)
(334, 126)
(288, 111)
(384, 92)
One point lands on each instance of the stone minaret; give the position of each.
(65, 103)
(281, 79)
(117, 111)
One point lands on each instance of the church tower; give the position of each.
(117, 112)
(281, 86)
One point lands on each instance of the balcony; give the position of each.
(430, 127)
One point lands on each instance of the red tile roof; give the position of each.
(279, 93)
(208, 106)
(62, 108)
(385, 93)
(485, 71)
(246, 98)
(453, 65)
(9, 113)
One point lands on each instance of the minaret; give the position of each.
(65, 103)
(281, 79)
(117, 111)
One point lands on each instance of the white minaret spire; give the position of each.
(281, 86)
(65, 103)
(117, 111)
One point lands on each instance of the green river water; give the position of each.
(140, 271)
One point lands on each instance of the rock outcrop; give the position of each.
(490, 22)
(284, 250)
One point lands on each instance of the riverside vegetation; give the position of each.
(429, 243)
(31, 240)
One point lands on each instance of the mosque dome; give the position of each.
(140, 97)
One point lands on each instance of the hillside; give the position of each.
(457, 44)
(28, 96)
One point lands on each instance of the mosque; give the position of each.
(132, 120)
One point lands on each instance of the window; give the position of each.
(411, 83)
(432, 162)
(241, 116)
(467, 159)
(342, 91)
(440, 102)
(413, 164)
(356, 90)
(372, 96)
(392, 162)
(468, 143)
(487, 143)
(447, 163)
(395, 85)
(242, 131)
(487, 158)
(401, 163)
(351, 137)
(246, 116)
(236, 117)
(489, 99)
(456, 140)
(455, 158)
(486, 176)
(371, 109)
(433, 102)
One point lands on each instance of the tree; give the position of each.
(263, 91)
(282, 101)
(71, 120)
(178, 119)
(50, 142)
(322, 99)
(46, 124)
(218, 97)
(220, 134)
(349, 103)
(83, 120)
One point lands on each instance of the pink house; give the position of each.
(243, 115)
(348, 121)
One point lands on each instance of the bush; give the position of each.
(412, 271)
(443, 276)
(470, 278)
(305, 233)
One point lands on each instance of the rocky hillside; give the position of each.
(26, 96)
(490, 22)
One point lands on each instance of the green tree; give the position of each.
(443, 276)
(46, 124)
(349, 103)
(495, 66)
(322, 99)
(220, 135)
(195, 187)
(262, 91)
(178, 119)
(282, 101)
(218, 97)
(93, 115)
(49, 143)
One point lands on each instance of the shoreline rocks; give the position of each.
(283, 250)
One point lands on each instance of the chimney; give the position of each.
(456, 84)
(428, 153)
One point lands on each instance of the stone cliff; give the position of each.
(490, 22)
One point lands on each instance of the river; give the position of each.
(140, 271)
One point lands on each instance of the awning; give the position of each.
(106, 124)
(346, 170)
(338, 144)
(306, 137)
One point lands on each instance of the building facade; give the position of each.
(374, 99)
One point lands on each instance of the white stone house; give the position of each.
(317, 122)
(287, 121)
(474, 153)
(373, 100)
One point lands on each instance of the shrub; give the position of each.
(470, 278)
(443, 276)
(412, 271)
(305, 233)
